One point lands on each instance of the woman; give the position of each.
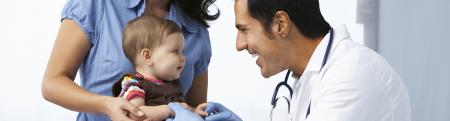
(89, 40)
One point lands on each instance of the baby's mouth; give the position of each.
(179, 67)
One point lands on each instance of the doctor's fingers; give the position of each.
(223, 116)
(213, 107)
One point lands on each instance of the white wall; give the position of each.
(414, 39)
(27, 30)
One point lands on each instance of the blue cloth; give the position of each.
(183, 114)
(218, 112)
(103, 22)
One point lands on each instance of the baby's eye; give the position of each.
(177, 51)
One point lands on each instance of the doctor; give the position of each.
(337, 79)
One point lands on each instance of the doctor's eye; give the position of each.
(243, 30)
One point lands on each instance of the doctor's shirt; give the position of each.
(356, 84)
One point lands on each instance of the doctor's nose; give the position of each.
(241, 44)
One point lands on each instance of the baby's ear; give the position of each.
(146, 56)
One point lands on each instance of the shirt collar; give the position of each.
(315, 62)
(132, 3)
(142, 77)
(183, 21)
(137, 5)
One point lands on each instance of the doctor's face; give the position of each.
(253, 38)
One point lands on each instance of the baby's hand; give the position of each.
(200, 110)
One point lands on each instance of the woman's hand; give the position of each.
(119, 109)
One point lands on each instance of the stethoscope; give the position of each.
(285, 82)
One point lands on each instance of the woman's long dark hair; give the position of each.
(198, 10)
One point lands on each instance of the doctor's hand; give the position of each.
(218, 112)
(183, 114)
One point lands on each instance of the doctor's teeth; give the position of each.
(254, 55)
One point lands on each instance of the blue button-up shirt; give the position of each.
(103, 22)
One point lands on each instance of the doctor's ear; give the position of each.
(146, 56)
(281, 24)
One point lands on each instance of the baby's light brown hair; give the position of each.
(146, 31)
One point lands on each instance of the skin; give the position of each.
(164, 62)
(198, 92)
(70, 49)
(280, 48)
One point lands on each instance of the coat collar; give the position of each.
(315, 62)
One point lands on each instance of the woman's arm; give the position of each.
(199, 90)
(70, 49)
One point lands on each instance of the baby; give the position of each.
(155, 48)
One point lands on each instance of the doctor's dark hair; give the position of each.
(198, 10)
(305, 14)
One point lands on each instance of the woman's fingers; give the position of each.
(122, 110)
(127, 106)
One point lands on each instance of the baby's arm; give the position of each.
(153, 113)
(136, 96)
(138, 101)
(130, 89)
(161, 112)
(156, 113)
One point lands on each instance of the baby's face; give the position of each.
(168, 58)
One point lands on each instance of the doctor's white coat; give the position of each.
(356, 84)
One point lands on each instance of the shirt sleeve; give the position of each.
(86, 13)
(202, 64)
(130, 88)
